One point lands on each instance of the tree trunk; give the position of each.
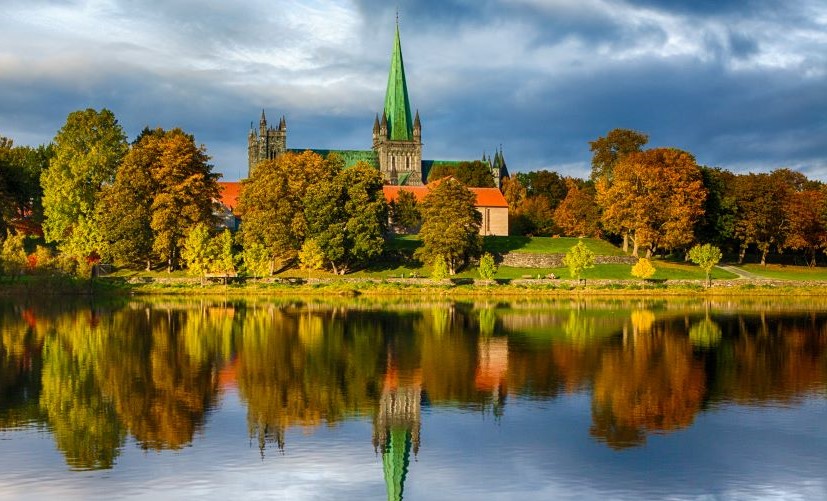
(649, 253)
(148, 265)
(335, 270)
(812, 257)
(634, 248)
(764, 257)
(741, 255)
(626, 242)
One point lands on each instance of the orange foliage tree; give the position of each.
(656, 196)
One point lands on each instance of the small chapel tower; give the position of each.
(397, 136)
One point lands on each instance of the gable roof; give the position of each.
(486, 197)
(229, 194)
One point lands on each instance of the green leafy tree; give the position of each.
(222, 257)
(404, 213)
(643, 269)
(14, 254)
(256, 260)
(348, 216)
(487, 268)
(578, 259)
(607, 151)
(476, 174)
(439, 268)
(21, 194)
(707, 256)
(197, 250)
(272, 202)
(87, 152)
(451, 225)
(311, 255)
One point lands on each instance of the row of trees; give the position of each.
(661, 200)
(153, 202)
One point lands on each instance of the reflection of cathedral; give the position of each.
(396, 427)
(397, 137)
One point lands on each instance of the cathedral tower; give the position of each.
(397, 138)
(266, 143)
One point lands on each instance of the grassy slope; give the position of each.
(540, 245)
(782, 272)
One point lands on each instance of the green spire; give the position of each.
(395, 459)
(397, 106)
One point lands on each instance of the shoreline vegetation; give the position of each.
(364, 286)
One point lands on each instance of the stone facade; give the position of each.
(266, 144)
(532, 260)
(494, 220)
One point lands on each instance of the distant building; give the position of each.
(490, 203)
(397, 137)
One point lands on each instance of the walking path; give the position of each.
(741, 272)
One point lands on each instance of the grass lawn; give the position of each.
(783, 272)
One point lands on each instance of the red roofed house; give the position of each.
(228, 214)
(490, 203)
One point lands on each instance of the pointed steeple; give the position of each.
(376, 124)
(397, 106)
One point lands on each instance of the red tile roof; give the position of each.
(486, 197)
(229, 194)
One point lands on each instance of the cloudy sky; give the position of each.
(741, 84)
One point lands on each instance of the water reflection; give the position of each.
(95, 376)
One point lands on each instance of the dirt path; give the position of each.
(741, 272)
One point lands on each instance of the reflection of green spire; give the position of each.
(395, 460)
(397, 106)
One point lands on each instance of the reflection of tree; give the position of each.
(772, 360)
(82, 420)
(650, 384)
(302, 368)
(20, 368)
(705, 333)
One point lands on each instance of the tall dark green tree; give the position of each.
(476, 174)
(347, 217)
(88, 150)
(21, 196)
(404, 213)
(451, 225)
(607, 151)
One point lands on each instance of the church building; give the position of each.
(397, 137)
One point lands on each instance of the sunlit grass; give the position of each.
(782, 272)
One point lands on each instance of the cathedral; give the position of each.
(397, 138)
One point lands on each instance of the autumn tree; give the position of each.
(196, 251)
(451, 225)
(186, 190)
(88, 150)
(805, 217)
(578, 214)
(535, 216)
(759, 221)
(125, 212)
(656, 196)
(476, 174)
(347, 217)
(271, 202)
(514, 192)
(404, 212)
(607, 151)
(643, 269)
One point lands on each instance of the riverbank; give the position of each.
(470, 287)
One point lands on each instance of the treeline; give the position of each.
(91, 197)
(660, 200)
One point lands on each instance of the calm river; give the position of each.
(417, 399)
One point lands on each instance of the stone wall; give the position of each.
(532, 260)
